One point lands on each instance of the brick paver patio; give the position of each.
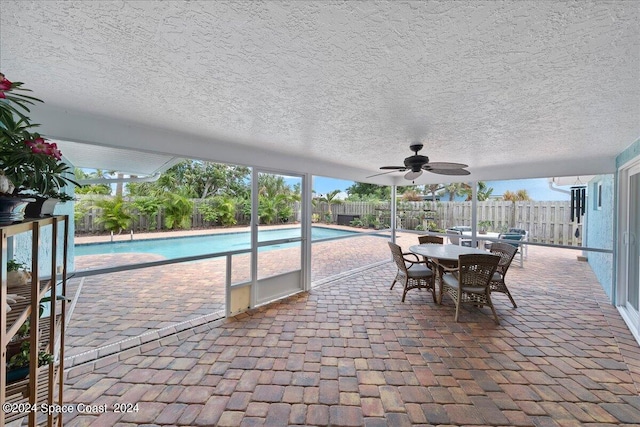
(349, 353)
(116, 311)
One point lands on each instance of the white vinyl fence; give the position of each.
(547, 222)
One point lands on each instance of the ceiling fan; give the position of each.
(416, 164)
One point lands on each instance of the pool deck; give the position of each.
(349, 353)
(149, 303)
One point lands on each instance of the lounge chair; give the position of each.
(455, 237)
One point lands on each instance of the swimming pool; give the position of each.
(198, 245)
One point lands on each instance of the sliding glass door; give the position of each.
(629, 248)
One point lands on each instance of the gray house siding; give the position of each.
(600, 229)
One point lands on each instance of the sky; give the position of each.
(323, 185)
(538, 189)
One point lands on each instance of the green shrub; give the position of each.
(226, 210)
(208, 211)
(267, 210)
(148, 206)
(115, 214)
(177, 211)
(285, 213)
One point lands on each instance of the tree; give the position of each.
(453, 189)
(270, 185)
(370, 192)
(80, 174)
(483, 193)
(330, 198)
(433, 189)
(518, 196)
(198, 179)
(412, 196)
(102, 189)
(275, 198)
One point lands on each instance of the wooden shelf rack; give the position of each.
(39, 387)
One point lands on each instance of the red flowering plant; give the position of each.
(29, 164)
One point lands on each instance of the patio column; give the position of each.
(393, 213)
(474, 213)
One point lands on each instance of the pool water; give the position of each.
(198, 245)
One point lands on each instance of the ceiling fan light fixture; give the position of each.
(411, 175)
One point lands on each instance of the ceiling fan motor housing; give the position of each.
(416, 162)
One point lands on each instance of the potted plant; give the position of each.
(45, 204)
(15, 344)
(18, 346)
(30, 166)
(483, 226)
(17, 274)
(18, 365)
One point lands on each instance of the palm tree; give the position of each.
(275, 198)
(518, 196)
(454, 189)
(330, 198)
(483, 193)
(433, 189)
(412, 196)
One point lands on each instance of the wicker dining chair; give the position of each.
(437, 240)
(506, 252)
(413, 274)
(516, 238)
(469, 284)
(434, 240)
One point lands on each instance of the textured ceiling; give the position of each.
(513, 89)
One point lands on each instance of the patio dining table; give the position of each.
(443, 256)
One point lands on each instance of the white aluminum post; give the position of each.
(393, 213)
(474, 213)
(307, 190)
(254, 235)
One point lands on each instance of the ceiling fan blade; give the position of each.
(450, 171)
(400, 168)
(383, 173)
(411, 175)
(444, 165)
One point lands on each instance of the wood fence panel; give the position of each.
(554, 219)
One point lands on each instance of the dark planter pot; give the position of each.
(17, 374)
(12, 209)
(13, 347)
(42, 207)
